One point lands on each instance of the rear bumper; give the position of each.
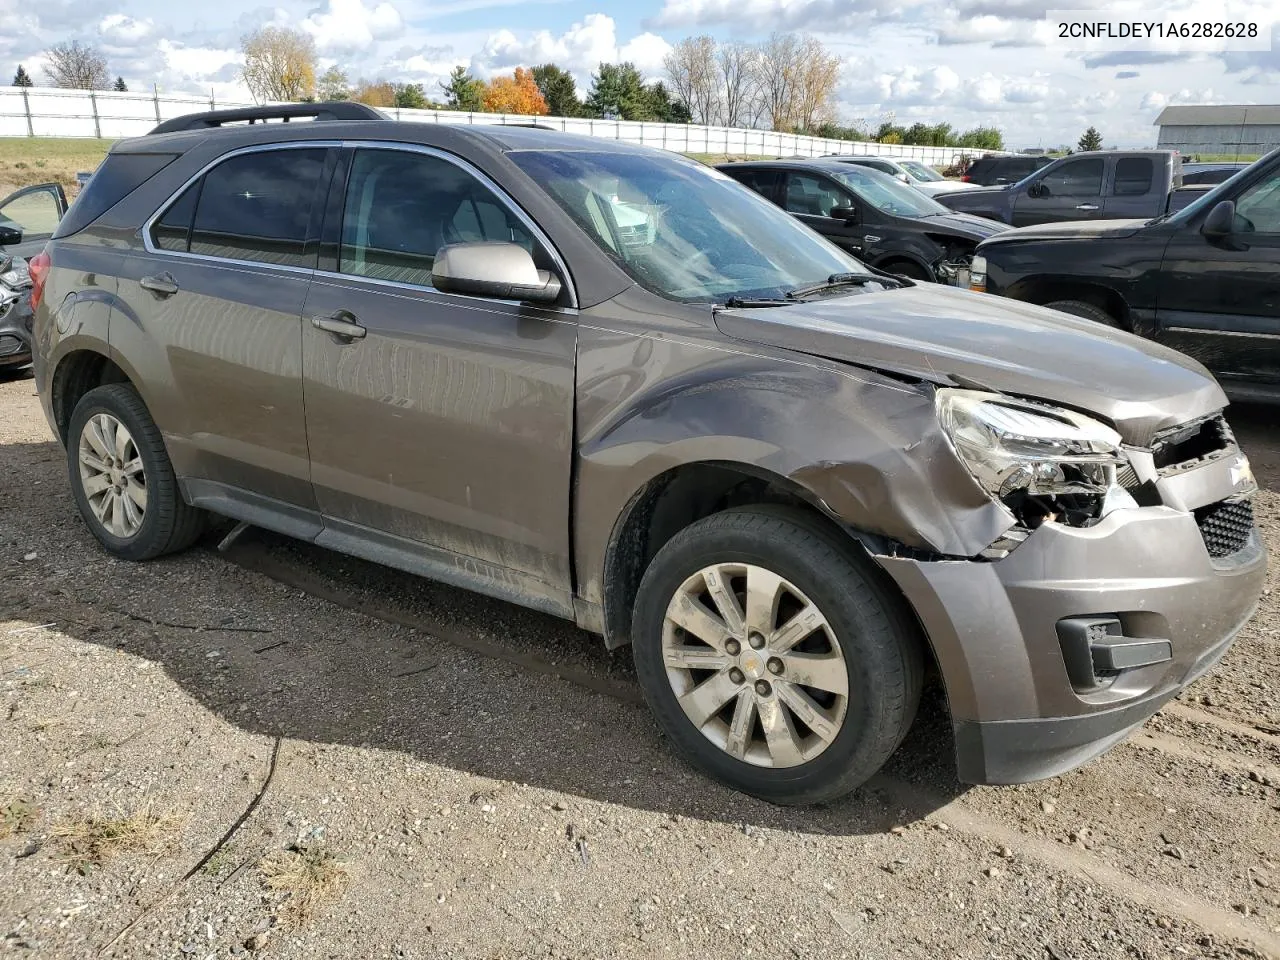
(996, 630)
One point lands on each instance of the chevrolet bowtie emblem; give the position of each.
(1242, 473)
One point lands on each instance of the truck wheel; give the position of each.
(776, 659)
(909, 269)
(1079, 308)
(122, 479)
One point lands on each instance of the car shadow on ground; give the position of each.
(548, 706)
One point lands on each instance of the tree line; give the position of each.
(74, 66)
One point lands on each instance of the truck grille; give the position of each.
(1225, 526)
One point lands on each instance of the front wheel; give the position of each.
(777, 660)
(1088, 311)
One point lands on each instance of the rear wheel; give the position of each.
(122, 479)
(1081, 308)
(776, 660)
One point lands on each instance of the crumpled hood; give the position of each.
(964, 225)
(1074, 230)
(945, 335)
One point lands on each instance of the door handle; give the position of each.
(162, 284)
(343, 330)
(1086, 206)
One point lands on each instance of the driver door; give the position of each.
(1071, 191)
(1219, 300)
(35, 211)
(810, 198)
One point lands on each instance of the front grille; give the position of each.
(1225, 526)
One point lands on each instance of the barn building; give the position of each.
(1220, 131)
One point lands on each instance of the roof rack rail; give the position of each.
(337, 110)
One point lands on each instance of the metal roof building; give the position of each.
(1243, 131)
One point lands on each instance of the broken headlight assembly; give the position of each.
(1041, 462)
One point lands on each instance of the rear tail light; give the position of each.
(965, 178)
(39, 267)
(978, 275)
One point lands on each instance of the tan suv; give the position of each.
(612, 384)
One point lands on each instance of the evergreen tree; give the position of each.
(22, 78)
(665, 107)
(618, 90)
(410, 96)
(1091, 140)
(559, 90)
(463, 91)
(120, 86)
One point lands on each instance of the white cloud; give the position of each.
(580, 49)
(1158, 101)
(117, 28)
(351, 25)
(770, 15)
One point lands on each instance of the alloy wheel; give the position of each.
(755, 665)
(112, 475)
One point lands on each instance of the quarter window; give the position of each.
(256, 206)
(1077, 178)
(402, 207)
(173, 230)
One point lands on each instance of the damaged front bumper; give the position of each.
(1054, 653)
(15, 328)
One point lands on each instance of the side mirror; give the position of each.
(9, 235)
(1037, 190)
(1221, 221)
(504, 271)
(903, 177)
(848, 214)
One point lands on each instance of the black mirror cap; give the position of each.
(498, 269)
(847, 214)
(10, 235)
(1037, 189)
(1221, 221)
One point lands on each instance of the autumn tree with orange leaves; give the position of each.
(515, 94)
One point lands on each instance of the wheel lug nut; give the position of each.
(775, 665)
(732, 647)
(736, 675)
(756, 641)
(763, 688)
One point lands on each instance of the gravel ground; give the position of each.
(418, 772)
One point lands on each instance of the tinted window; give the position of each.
(888, 194)
(1076, 178)
(763, 182)
(1133, 176)
(704, 237)
(116, 177)
(1259, 207)
(173, 230)
(257, 207)
(402, 207)
(813, 196)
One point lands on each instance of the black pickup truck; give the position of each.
(1204, 280)
(1103, 185)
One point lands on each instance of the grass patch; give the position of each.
(308, 877)
(17, 816)
(29, 160)
(95, 839)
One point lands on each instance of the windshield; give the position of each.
(887, 194)
(683, 230)
(1222, 191)
(920, 171)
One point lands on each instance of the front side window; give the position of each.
(402, 207)
(1259, 207)
(813, 196)
(257, 206)
(1077, 178)
(921, 172)
(704, 238)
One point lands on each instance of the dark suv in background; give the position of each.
(612, 384)
(997, 171)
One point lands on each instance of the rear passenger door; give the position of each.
(441, 433)
(212, 314)
(1132, 181)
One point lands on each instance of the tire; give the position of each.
(164, 523)
(865, 621)
(1089, 311)
(909, 269)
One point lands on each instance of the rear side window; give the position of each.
(116, 177)
(173, 230)
(763, 182)
(256, 206)
(1133, 176)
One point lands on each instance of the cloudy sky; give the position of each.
(967, 62)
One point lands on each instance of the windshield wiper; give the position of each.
(748, 303)
(841, 280)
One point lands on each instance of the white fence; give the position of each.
(43, 112)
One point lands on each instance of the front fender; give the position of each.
(865, 448)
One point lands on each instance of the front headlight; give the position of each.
(1018, 450)
(17, 275)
